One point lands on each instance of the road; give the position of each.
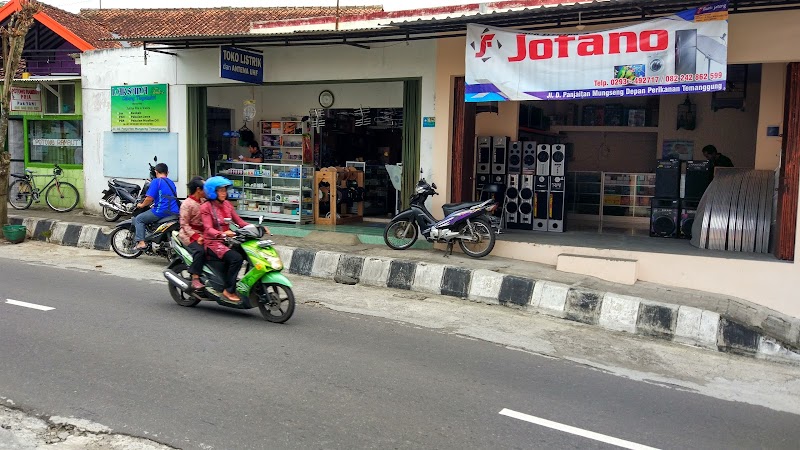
(117, 351)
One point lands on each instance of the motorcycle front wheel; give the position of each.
(400, 235)
(109, 214)
(275, 301)
(180, 297)
(123, 242)
(484, 239)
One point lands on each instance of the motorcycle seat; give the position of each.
(450, 208)
(126, 186)
(168, 219)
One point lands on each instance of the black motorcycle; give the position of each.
(121, 198)
(157, 237)
(468, 223)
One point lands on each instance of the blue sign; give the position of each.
(428, 122)
(241, 65)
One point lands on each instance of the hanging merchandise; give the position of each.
(317, 118)
(362, 116)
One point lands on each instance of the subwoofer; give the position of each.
(698, 177)
(688, 213)
(664, 217)
(515, 157)
(512, 201)
(526, 202)
(528, 157)
(668, 179)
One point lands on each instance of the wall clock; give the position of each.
(326, 99)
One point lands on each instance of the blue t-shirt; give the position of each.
(164, 196)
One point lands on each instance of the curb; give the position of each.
(681, 324)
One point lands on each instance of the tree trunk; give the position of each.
(13, 43)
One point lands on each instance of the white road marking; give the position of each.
(29, 305)
(575, 431)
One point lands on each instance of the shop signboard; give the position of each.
(680, 54)
(26, 100)
(140, 108)
(241, 65)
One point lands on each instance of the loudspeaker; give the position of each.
(512, 201)
(526, 202)
(688, 213)
(668, 179)
(483, 155)
(515, 157)
(664, 217)
(540, 201)
(543, 160)
(698, 177)
(529, 157)
(558, 157)
(499, 149)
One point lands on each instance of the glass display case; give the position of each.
(628, 194)
(583, 192)
(279, 192)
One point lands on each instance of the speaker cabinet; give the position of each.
(540, 201)
(664, 217)
(512, 201)
(698, 177)
(668, 179)
(558, 158)
(499, 150)
(526, 202)
(688, 213)
(484, 156)
(555, 203)
(515, 157)
(543, 160)
(529, 157)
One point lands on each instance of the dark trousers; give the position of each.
(198, 258)
(233, 262)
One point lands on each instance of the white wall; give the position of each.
(319, 65)
(276, 101)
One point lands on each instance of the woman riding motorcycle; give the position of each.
(215, 229)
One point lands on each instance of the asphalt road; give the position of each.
(119, 352)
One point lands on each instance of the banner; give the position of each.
(680, 54)
(140, 108)
(25, 100)
(241, 65)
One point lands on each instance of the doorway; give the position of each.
(218, 121)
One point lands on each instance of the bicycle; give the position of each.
(60, 196)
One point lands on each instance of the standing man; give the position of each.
(191, 234)
(164, 198)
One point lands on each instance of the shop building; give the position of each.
(390, 59)
(46, 118)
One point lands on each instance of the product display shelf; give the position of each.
(628, 194)
(278, 192)
(284, 137)
(584, 192)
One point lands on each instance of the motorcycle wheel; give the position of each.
(398, 236)
(123, 242)
(485, 243)
(180, 297)
(109, 214)
(275, 301)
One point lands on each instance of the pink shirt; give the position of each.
(191, 222)
(214, 214)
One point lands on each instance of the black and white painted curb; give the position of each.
(683, 324)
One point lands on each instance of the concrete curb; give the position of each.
(682, 324)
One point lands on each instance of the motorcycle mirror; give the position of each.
(433, 185)
(155, 158)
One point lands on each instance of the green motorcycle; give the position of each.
(262, 286)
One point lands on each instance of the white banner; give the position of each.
(679, 54)
(25, 100)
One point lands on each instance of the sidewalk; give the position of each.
(712, 321)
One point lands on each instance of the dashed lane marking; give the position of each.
(574, 430)
(29, 305)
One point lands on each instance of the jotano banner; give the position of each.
(679, 54)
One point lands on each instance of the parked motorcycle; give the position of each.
(121, 198)
(262, 286)
(468, 223)
(157, 237)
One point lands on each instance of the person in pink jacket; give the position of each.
(215, 229)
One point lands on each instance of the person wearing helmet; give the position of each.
(191, 234)
(163, 195)
(215, 229)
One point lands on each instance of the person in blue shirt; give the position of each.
(164, 198)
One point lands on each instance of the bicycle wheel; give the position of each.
(20, 194)
(62, 197)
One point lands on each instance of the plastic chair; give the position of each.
(493, 189)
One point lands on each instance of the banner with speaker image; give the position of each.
(664, 217)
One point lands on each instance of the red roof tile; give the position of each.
(133, 23)
(88, 30)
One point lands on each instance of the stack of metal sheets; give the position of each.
(735, 213)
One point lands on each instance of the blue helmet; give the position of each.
(214, 183)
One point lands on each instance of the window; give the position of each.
(59, 100)
(55, 141)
